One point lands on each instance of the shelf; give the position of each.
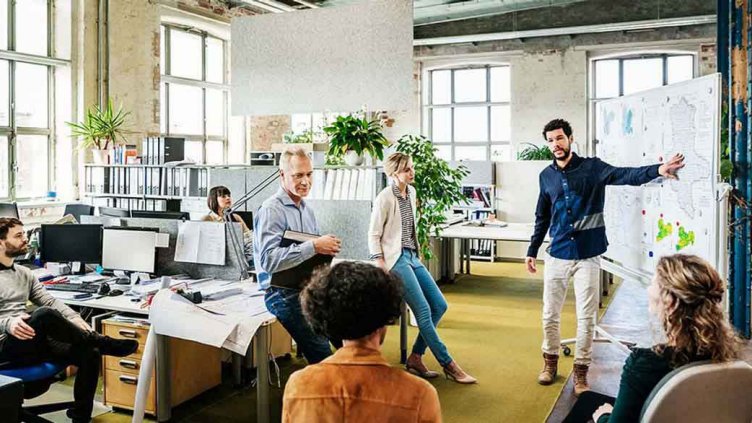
(483, 258)
(139, 196)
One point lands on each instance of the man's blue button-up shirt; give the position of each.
(571, 203)
(276, 215)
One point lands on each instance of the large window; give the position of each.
(28, 65)
(615, 77)
(194, 93)
(467, 112)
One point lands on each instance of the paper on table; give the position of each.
(201, 242)
(172, 315)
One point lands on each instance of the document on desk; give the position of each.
(201, 242)
(228, 323)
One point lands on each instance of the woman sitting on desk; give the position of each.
(686, 296)
(393, 243)
(219, 200)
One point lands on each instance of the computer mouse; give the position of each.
(123, 281)
(115, 293)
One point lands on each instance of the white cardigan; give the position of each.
(385, 230)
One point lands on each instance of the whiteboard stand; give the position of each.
(600, 334)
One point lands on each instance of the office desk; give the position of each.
(520, 232)
(123, 304)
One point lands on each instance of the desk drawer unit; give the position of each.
(120, 390)
(194, 368)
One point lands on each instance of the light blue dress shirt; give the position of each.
(276, 215)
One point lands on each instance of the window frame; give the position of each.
(427, 108)
(168, 79)
(12, 131)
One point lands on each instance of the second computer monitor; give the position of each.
(71, 243)
(9, 210)
(149, 214)
(131, 249)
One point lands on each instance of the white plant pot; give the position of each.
(100, 157)
(353, 159)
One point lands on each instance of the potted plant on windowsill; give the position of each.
(100, 129)
(352, 136)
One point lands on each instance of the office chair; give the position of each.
(36, 380)
(77, 210)
(9, 210)
(702, 392)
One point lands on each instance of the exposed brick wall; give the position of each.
(266, 130)
(708, 60)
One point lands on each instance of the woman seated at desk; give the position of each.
(219, 200)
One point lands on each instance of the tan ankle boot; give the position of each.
(580, 379)
(550, 366)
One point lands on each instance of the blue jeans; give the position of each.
(285, 305)
(426, 301)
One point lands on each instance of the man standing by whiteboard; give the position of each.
(570, 203)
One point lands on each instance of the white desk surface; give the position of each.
(121, 303)
(511, 232)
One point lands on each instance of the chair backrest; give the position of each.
(78, 210)
(702, 392)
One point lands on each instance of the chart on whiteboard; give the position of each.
(665, 216)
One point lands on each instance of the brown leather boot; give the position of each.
(550, 366)
(580, 379)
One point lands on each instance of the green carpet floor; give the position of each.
(493, 330)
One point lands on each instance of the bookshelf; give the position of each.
(481, 206)
(144, 187)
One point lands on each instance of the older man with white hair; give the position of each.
(287, 210)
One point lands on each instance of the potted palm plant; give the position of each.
(100, 129)
(352, 136)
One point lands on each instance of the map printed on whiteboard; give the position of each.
(665, 216)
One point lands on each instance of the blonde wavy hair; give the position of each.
(396, 163)
(691, 292)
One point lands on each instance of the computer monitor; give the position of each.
(114, 212)
(9, 210)
(67, 243)
(131, 249)
(78, 210)
(150, 214)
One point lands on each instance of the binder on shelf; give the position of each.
(298, 276)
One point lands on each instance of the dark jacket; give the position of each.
(642, 372)
(571, 203)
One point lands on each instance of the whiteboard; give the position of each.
(666, 216)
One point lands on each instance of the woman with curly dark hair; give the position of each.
(354, 302)
(686, 296)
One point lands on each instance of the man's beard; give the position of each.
(13, 251)
(567, 153)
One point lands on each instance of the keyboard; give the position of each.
(74, 287)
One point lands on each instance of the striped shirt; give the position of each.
(408, 223)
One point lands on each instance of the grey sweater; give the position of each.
(18, 286)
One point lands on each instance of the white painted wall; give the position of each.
(545, 86)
